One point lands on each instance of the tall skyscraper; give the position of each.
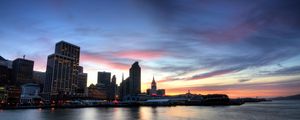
(135, 79)
(104, 78)
(62, 70)
(22, 71)
(132, 85)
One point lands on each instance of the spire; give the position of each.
(122, 76)
(153, 82)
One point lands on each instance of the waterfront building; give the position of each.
(153, 88)
(131, 86)
(30, 94)
(22, 71)
(13, 95)
(97, 92)
(62, 70)
(161, 92)
(5, 75)
(135, 79)
(153, 91)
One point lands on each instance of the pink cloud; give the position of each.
(140, 54)
(101, 60)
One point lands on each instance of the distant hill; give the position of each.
(293, 97)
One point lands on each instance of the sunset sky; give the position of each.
(240, 48)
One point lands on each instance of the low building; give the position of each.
(13, 95)
(30, 94)
(95, 92)
(161, 92)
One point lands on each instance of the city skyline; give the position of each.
(199, 46)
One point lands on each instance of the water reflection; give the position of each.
(274, 111)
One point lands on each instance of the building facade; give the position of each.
(135, 79)
(30, 94)
(131, 86)
(62, 70)
(104, 78)
(22, 71)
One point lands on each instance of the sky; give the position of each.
(241, 48)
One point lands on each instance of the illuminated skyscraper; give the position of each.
(62, 70)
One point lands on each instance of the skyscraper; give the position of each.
(135, 79)
(62, 70)
(112, 88)
(104, 78)
(22, 71)
(132, 85)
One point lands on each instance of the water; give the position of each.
(275, 110)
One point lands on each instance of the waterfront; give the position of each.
(275, 110)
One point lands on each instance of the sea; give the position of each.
(274, 110)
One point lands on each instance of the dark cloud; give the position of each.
(244, 80)
(214, 73)
(294, 70)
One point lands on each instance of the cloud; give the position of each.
(214, 73)
(100, 59)
(294, 70)
(140, 54)
(244, 80)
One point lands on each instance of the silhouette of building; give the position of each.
(22, 71)
(135, 79)
(153, 87)
(62, 70)
(132, 85)
(153, 91)
(82, 82)
(5, 75)
(96, 92)
(112, 88)
(161, 92)
(39, 78)
(104, 78)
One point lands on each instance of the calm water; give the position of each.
(276, 110)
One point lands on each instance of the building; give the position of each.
(161, 92)
(30, 94)
(3, 96)
(82, 84)
(112, 89)
(13, 95)
(131, 86)
(5, 75)
(39, 78)
(96, 92)
(62, 70)
(135, 79)
(153, 91)
(104, 78)
(22, 71)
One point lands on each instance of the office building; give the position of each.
(62, 70)
(22, 71)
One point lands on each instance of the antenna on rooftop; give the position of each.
(24, 56)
